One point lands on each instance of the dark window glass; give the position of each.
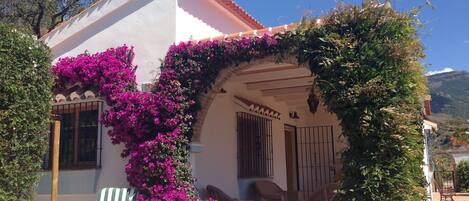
(78, 136)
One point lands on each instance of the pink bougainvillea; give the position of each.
(143, 122)
(111, 72)
(155, 127)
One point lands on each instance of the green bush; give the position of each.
(462, 175)
(25, 94)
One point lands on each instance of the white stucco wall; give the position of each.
(199, 19)
(217, 163)
(147, 25)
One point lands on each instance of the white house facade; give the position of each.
(260, 120)
(89, 161)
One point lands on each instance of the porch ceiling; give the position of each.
(286, 82)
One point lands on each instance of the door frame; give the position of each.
(291, 169)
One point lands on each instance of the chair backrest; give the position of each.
(117, 194)
(269, 189)
(217, 194)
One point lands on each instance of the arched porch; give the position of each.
(304, 147)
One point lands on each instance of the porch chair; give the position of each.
(269, 191)
(217, 194)
(117, 194)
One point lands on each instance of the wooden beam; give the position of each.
(287, 90)
(280, 83)
(287, 73)
(55, 161)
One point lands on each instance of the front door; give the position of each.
(291, 159)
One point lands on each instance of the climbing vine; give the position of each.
(366, 63)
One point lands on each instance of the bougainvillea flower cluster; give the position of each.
(365, 62)
(155, 127)
(139, 120)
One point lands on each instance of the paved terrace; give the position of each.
(458, 197)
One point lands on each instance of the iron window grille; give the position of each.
(315, 158)
(255, 153)
(80, 136)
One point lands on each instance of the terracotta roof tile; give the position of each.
(239, 12)
(73, 93)
(255, 32)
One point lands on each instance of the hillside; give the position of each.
(450, 93)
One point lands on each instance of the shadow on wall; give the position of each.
(199, 11)
(97, 26)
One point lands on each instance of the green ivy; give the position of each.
(25, 94)
(366, 60)
(462, 175)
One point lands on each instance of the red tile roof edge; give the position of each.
(255, 32)
(239, 12)
(260, 32)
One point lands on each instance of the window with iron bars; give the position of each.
(255, 153)
(80, 136)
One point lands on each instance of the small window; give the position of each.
(79, 136)
(254, 146)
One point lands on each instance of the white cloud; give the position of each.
(466, 41)
(444, 70)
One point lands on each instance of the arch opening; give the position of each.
(258, 89)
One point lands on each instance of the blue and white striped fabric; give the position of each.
(117, 194)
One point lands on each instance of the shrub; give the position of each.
(462, 175)
(25, 88)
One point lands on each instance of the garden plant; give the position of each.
(25, 94)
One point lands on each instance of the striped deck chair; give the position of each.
(117, 194)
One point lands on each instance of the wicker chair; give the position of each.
(269, 191)
(217, 194)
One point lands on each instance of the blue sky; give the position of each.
(445, 34)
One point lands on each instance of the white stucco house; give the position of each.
(255, 123)
(89, 161)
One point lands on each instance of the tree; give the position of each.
(40, 16)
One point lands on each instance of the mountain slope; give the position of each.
(450, 93)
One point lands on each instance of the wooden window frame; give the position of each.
(75, 108)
